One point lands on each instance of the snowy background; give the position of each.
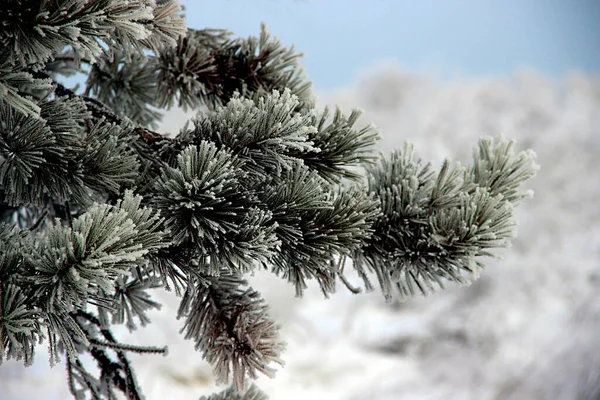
(529, 327)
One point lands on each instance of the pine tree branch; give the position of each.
(109, 368)
(230, 326)
(260, 179)
(207, 68)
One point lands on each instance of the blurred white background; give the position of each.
(440, 74)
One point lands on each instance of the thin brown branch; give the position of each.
(340, 273)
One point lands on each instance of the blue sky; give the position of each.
(343, 38)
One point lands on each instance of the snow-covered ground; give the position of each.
(527, 329)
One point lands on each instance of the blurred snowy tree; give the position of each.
(96, 208)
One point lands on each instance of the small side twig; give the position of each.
(340, 273)
(39, 221)
(128, 347)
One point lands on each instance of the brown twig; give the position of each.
(340, 270)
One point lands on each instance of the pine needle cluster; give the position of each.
(97, 209)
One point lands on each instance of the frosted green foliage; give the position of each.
(347, 222)
(313, 221)
(435, 227)
(131, 300)
(260, 180)
(272, 135)
(272, 67)
(24, 147)
(20, 327)
(32, 31)
(75, 264)
(58, 156)
(253, 393)
(338, 145)
(496, 168)
(181, 68)
(314, 224)
(228, 323)
(193, 196)
(205, 204)
(261, 133)
(207, 68)
(39, 155)
(71, 266)
(126, 84)
(56, 272)
(12, 82)
(13, 246)
(108, 164)
(168, 25)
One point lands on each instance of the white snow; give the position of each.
(527, 329)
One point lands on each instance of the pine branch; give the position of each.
(32, 31)
(113, 373)
(127, 347)
(437, 228)
(338, 146)
(207, 68)
(230, 326)
(260, 179)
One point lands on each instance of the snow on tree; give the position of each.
(97, 209)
